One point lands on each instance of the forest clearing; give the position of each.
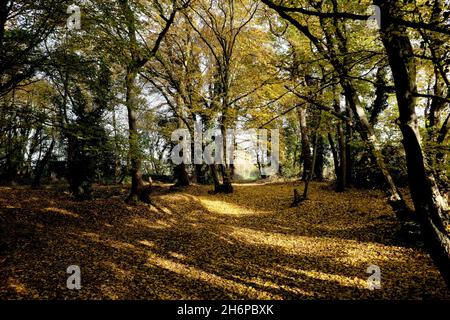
(225, 150)
(193, 245)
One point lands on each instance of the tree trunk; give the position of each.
(181, 175)
(320, 159)
(339, 165)
(381, 96)
(227, 178)
(200, 173)
(365, 129)
(343, 160)
(138, 191)
(41, 166)
(215, 177)
(314, 157)
(348, 137)
(117, 171)
(428, 202)
(368, 135)
(306, 145)
(334, 154)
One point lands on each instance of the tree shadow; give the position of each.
(178, 248)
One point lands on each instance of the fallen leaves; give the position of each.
(193, 245)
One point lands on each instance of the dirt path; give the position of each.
(192, 245)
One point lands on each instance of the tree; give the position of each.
(335, 49)
(428, 202)
(223, 23)
(131, 37)
(25, 25)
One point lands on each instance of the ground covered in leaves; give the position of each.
(193, 245)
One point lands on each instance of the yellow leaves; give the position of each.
(221, 207)
(61, 212)
(195, 245)
(339, 279)
(147, 243)
(18, 287)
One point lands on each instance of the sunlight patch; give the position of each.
(177, 255)
(144, 222)
(221, 207)
(63, 212)
(337, 278)
(147, 243)
(91, 235)
(265, 283)
(212, 279)
(119, 273)
(121, 245)
(348, 251)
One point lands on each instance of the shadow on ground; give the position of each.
(192, 245)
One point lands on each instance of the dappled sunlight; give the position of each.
(63, 212)
(147, 223)
(119, 273)
(178, 149)
(372, 253)
(90, 235)
(208, 278)
(165, 210)
(178, 197)
(195, 245)
(346, 251)
(337, 278)
(224, 208)
(264, 282)
(147, 243)
(120, 245)
(176, 255)
(18, 287)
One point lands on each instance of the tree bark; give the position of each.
(428, 202)
(314, 157)
(334, 153)
(368, 135)
(337, 41)
(348, 137)
(138, 191)
(181, 176)
(215, 177)
(339, 164)
(136, 62)
(306, 144)
(41, 166)
(227, 178)
(320, 159)
(381, 96)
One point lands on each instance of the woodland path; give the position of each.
(194, 245)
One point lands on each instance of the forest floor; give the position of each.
(193, 245)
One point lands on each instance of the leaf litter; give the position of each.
(191, 244)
